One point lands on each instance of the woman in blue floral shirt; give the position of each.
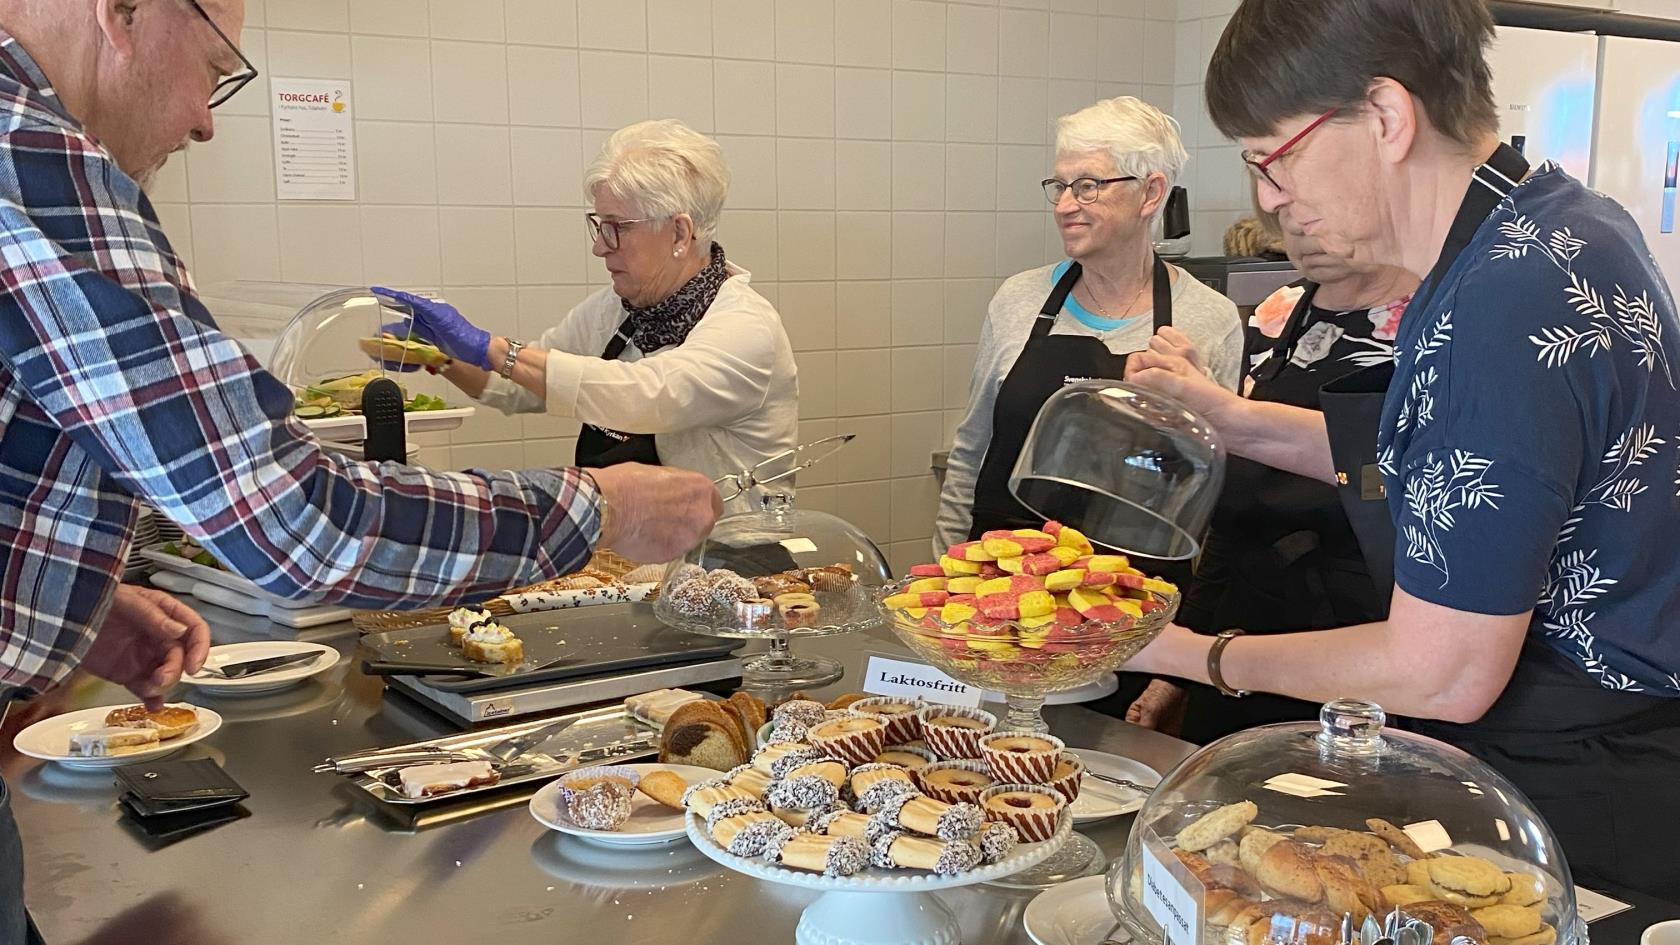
(1517, 469)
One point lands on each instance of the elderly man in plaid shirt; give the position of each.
(115, 384)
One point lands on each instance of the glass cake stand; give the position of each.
(1025, 663)
(778, 539)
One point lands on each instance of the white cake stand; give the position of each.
(878, 907)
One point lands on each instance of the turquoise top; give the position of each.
(1087, 317)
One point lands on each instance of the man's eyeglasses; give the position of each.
(607, 231)
(229, 85)
(1085, 189)
(1261, 169)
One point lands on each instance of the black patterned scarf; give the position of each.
(668, 322)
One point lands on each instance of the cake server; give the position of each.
(267, 664)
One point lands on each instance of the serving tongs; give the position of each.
(1397, 929)
(781, 465)
(377, 762)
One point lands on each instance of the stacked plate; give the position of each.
(135, 566)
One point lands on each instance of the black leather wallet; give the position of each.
(175, 787)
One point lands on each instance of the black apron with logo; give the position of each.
(1599, 765)
(1280, 556)
(1046, 364)
(599, 447)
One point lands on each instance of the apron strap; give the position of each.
(1053, 303)
(1163, 295)
(1490, 184)
(1284, 347)
(1161, 283)
(620, 340)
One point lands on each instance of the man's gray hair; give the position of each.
(664, 168)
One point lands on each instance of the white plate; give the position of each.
(1099, 800)
(278, 679)
(49, 739)
(650, 821)
(874, 879)
(350, 426)
(1107, 685)
(1074, 913)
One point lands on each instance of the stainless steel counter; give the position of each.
(315, 862)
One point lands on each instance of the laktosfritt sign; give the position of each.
(908, 679)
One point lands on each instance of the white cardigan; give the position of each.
(723, 400)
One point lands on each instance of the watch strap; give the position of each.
(512, 358)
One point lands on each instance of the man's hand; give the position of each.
(654, 513)
(1160, 707)
(147, 641)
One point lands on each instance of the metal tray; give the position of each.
(606, 639)
(600, 736)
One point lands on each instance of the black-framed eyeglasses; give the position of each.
(229, 85)
(607, 231)
(1261, 169)
(1085, 189)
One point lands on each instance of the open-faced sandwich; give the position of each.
(394, 350)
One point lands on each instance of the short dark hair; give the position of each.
(1282, 58)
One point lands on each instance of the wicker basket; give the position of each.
(603, 566)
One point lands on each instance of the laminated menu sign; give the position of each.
(314, 149)
(1171, 895)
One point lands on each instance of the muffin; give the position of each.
(899, 715)
(582, 779)
(1068, 774)
(1021, 757)
(955, 732)
(1032, 809)
(955, 781)
(908, 757)
(854, 739)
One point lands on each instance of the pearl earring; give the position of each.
(675, 253)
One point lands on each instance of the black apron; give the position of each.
(1047, 363)
(599, 447)
(1280, 555)
(1599, 765)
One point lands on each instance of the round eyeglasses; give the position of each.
(1085, 189)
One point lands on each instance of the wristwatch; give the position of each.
(1215, 652)
(514, 347)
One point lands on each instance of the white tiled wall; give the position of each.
(1219, 186)
(886, 155)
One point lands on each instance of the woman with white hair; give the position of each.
(1116, 162)
(678, 362)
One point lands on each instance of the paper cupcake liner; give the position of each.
(903, 727)
(1068, 785)
(952, 794)
(926, 754)
(581, 778)
(1033, 824)
(854, 748)
(1018, 767)
(949, 741)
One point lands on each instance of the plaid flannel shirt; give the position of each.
(115, 384)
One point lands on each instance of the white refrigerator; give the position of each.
(1544, 84)
(1636, 144)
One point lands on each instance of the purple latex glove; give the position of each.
(443, 325)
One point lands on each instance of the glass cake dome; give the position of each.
(322, 341)
(1340, 831)
(1133, 469)
(745, 580)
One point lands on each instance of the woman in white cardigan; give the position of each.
(679, 362)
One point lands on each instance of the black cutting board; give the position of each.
(598, 640)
